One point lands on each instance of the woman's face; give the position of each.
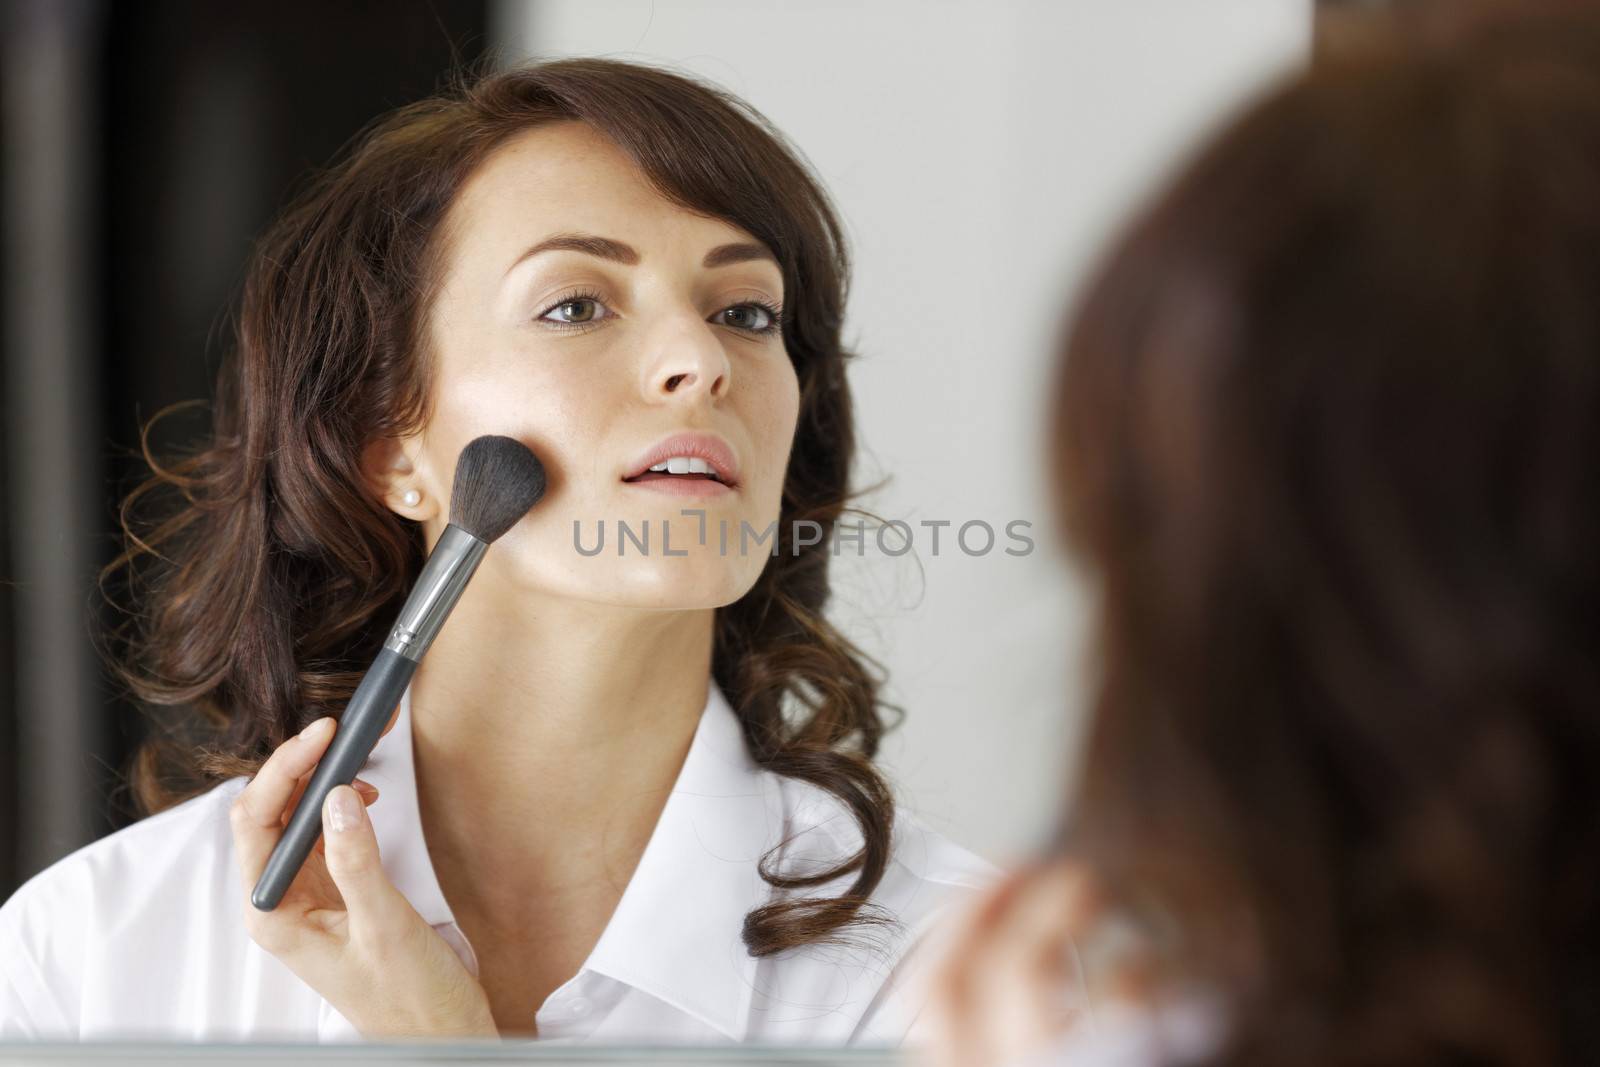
(593, 320)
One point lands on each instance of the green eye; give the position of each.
(584, 309)
(753, 317)
(574, 311)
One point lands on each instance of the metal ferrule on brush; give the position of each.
(438, 587)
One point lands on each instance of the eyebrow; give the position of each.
(618, 252)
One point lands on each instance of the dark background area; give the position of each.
(132, 195)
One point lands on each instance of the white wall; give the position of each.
(980, 152)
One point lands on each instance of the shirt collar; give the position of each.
(676, 931)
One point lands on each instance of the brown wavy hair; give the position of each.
(1328, 435)
(253, 602)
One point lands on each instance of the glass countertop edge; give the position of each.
(421, 1049)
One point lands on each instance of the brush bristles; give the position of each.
(497, 480)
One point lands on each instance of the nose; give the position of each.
(688, 363)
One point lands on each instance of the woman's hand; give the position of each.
(1005, 989)
(343, 927)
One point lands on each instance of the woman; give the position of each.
(629, 794)
(1329, 440)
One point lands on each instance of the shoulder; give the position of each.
(931, 878)
(122, 872)
(123, 894)
(928, 857)
(927, 871)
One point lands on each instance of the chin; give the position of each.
(703, 576)
(680, 583)
(699, 580)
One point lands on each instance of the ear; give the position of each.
(388, 468)
(385, 465)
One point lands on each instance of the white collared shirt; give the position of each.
(140, 935)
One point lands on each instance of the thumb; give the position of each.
(373, 903)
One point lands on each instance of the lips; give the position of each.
(708, 449)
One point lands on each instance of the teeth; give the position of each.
(685, 465)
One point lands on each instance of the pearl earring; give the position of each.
(412, 498)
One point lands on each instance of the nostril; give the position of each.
(674, 381)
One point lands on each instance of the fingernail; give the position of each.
(344, 808)
(311, 730)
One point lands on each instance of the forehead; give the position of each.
(569, 176)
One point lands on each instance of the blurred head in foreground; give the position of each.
(1327, 434)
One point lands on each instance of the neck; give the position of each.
(541, 727)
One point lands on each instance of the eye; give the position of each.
(582, 309)
(574, 310)
(753, 317)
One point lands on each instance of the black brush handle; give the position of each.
(357, 732)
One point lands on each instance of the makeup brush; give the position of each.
(498, 479)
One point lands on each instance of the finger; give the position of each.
(1020, 992)
(967, 1030)
(368, 791)
(1059, 912)
(957, 1031)
(377, 909)
(257, 812)
(967, 930)
(369, 796)
(1028, 997)
(965, 997)
(1038, 927)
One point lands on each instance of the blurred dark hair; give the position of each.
(274, 581)
(1328, 427)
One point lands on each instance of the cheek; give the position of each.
(561, 412)
(776, 407)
